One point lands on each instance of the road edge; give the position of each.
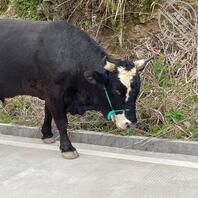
(103, 139)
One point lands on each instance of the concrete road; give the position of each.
(30, 169)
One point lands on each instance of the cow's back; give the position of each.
(20, 42)
(41, 51)
(18, 45)
(21, 48)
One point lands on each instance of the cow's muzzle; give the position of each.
(122, 122)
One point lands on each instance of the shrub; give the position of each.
(26, 8)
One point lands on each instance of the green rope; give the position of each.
(108, 98)
(112, 112)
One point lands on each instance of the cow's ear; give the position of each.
(95, 77)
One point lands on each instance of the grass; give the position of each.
(26, 8)
(167, 106)
(163, 111)
(174, 115)
(3, 5)
(22, 110)
(170, 112)
(161, 73)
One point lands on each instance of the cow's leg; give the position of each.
(47, 128)
(58, 110)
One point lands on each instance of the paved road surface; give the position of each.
(30, 169)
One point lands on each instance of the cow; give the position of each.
(63, 66)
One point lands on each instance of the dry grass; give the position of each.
(22, 110)
(168, 102)
(3, 5)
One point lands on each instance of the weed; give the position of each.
(5, 117)
(174, 115)
(193, 128)
(168, 103)
(3, 5)
(26, 8)
(176, 66)
(161, 73)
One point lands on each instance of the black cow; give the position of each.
(62, 65)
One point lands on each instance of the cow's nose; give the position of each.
(127, 125)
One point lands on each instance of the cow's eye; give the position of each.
(118, 92)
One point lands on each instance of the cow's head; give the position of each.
(122, 83)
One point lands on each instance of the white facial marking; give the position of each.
(126, 77)
(109, 66)
(121, 121)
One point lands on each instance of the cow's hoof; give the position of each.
(70, 155)
(49, 140)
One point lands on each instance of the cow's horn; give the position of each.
(140, 64)
(110, 66)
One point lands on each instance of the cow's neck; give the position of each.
(87, 97)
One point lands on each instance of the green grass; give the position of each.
(26, 8)
(161, 73)
(5, 117)
(3, 5)
(168, 104)
(174, 115)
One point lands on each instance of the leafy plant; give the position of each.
(26, 8)
(177, 65)
(3, 5)
(161, 91)
(161, 73)
(4, 117)
(193, 128)
(174, 115)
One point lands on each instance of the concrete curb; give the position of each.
(133, 142)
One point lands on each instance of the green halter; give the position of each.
(112, 112)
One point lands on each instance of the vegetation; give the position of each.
(3, 5)
(168, 102)
(26, 8)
